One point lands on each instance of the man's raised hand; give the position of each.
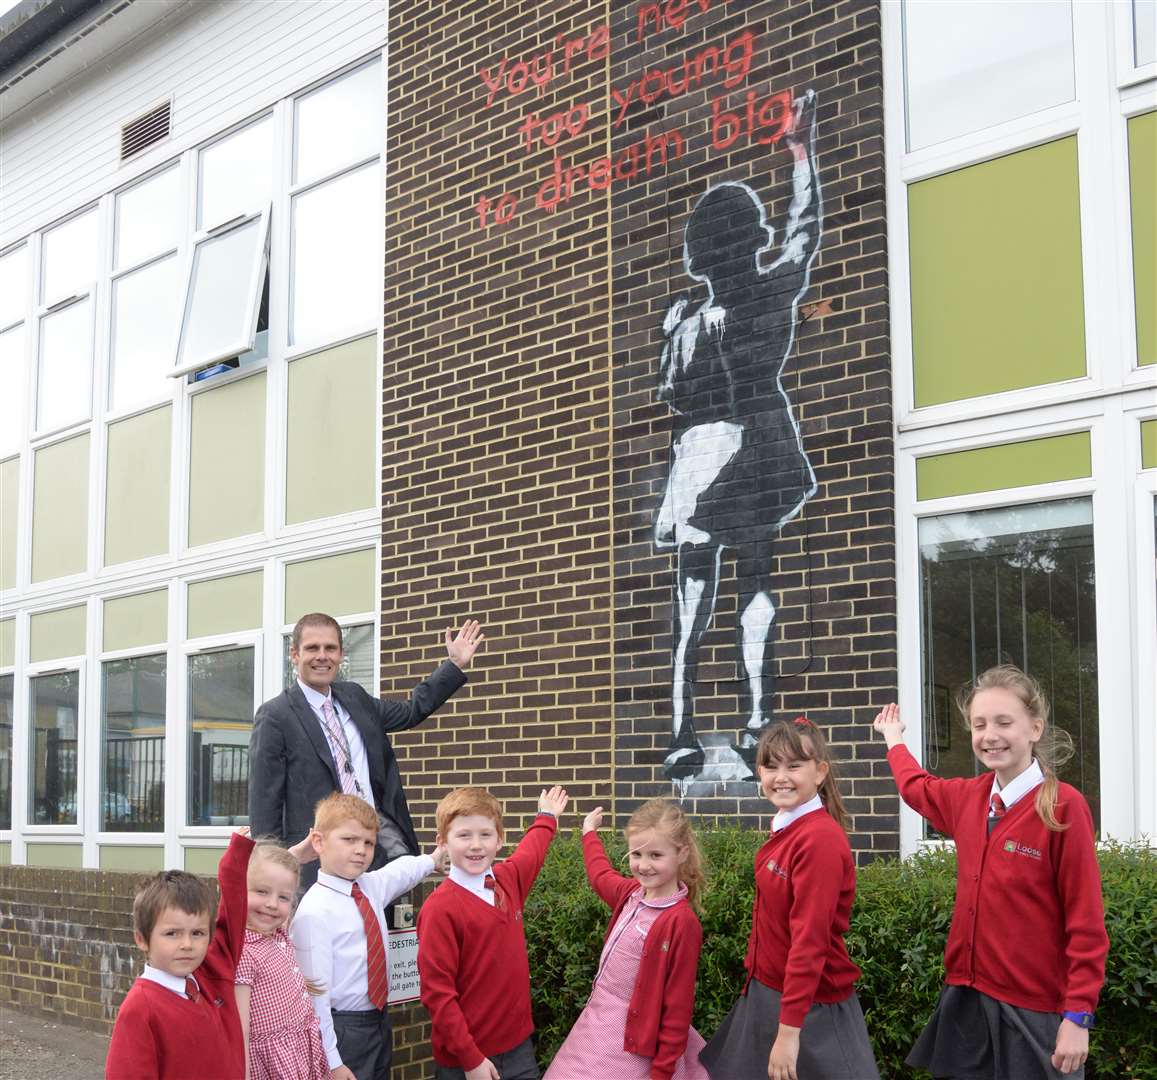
(462, 646)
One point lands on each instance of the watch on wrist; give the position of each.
(1081, 1019)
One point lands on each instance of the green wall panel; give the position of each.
(227, 461)
(224, 605)
(142, 860)
(136, 519)
(337, 584)
(60, 510)
(1149, 444)
(1143, 207)
(1009, 465)
(54, 634)
(9, 515)
(333, 404)
(63, 856)
(132, 621)
(997, 299)
(7, 642)
(5, 853)
(201, 860)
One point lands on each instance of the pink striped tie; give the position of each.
(341, 753)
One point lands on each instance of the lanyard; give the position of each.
(349, 760)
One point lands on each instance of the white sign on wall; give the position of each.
(404, 985)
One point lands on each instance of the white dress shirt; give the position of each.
(1017, 789)
(176, 983)
(353, 738)
(330, 937)
(475, 883)
(784, 818)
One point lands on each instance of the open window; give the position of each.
(225, 281)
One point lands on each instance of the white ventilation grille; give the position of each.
(145, 130)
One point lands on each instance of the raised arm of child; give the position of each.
(606, 881)
(928, 795)
(232, 908)
(521, 869)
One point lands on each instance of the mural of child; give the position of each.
(738, 469)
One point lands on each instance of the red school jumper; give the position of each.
(160, 1035)
(472, 959)
(1028, 927)
(663, 997)
(805, 883)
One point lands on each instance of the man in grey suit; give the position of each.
(321, 736)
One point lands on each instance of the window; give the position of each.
(1011, 585)
(969, 66)
(64, 389)
(148, 219)
(338, 124)
(235, 175)
(133, 732)
(222, 292)
(336, 257)
(359, 645)
(13, 285)
(145, 305)
(69, 265)
(13, 398)
(1144, 32)
(55, 709)
(220, 718)
(6, 702)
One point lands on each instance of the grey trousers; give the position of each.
(516, 1064)
(365, 1041)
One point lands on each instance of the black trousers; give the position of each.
(365, 1041)
(516, 1064)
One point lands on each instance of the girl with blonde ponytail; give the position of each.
(1026, 952)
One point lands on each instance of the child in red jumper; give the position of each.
(179, 1020)
(798, 1017)
(637, 1023)
(1026, 952)
(471, 946)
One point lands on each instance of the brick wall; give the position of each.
(527, 451)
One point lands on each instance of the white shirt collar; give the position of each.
(338, 884)
(315, 698)
(475, 883)
(176, 983)
(1018, 788)
(784, 818)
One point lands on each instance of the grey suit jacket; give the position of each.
(291, 767)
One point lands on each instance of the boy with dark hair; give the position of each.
(179, 1020)
(475, 974)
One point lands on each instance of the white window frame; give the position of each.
(1144, 618)
(254, 288)
(1128, 73)
(41, 669)
(5, 671)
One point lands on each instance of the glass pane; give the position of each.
(13, 285)
(54, 704)
(221, 716)
(336, 257)
(13, 398)
(338, 123)
(217, 308)
(1144, 32)
(1014, 585)
(133, 730)
(69, 257)
(64, 393)
(145, 307)
(357, 664)
(6, 684)
(236, 175)
(148, 218)
(973, 65)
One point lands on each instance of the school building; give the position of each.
(727, 360)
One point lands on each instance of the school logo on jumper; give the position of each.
(776, 869)
(1014, 847)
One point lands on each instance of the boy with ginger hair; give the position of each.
(475, 974)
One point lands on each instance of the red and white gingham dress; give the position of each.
(594, 1047)
(284, 1037)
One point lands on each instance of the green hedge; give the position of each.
(899, 926)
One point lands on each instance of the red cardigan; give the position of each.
(475, 975)
(663, 998)
(1029, 926)
(160, 1035)
(805, 883)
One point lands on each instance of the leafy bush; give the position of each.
(899, 926)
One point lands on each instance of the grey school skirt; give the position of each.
(833, 1042)
(972, 1036)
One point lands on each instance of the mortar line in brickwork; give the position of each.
(611, 426)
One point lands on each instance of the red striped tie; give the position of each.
(490, 883)
(192, 990)
(377, 977)
(997, 804)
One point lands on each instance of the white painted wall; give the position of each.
(219, 60)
